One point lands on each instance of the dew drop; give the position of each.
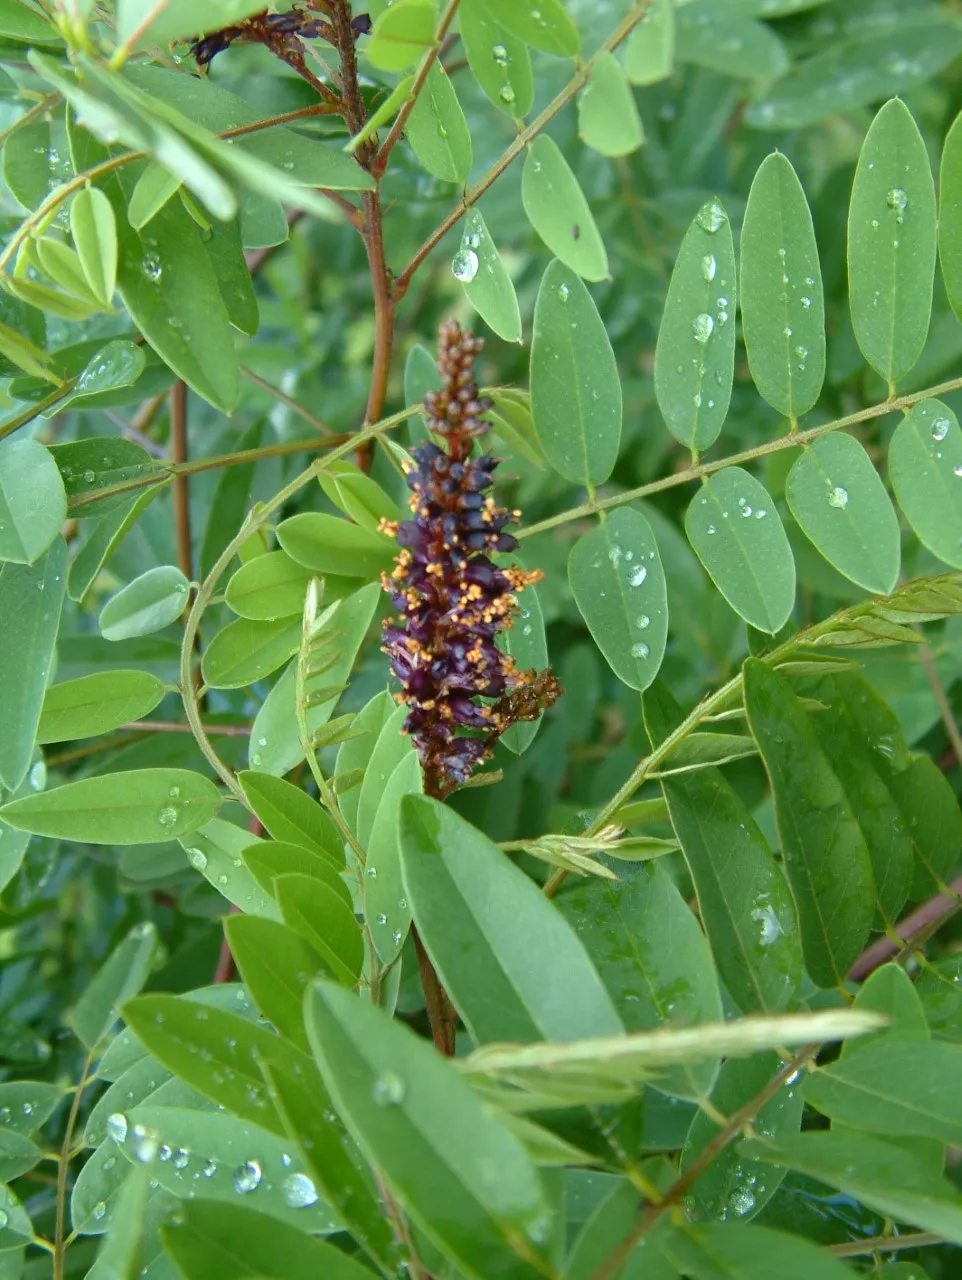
(500, 55)
(371, 873)
(708, 266)
(388, 1090)
(209, 1168)
(99, 1210)
(806, 303)
(150, 265)
(116, 1126)
(299, 1191)
(181, 1158)
(89, 477)
(144, 1143)
(247, 1177)
(167, 816)
(711, 216)
(382, 918)
(640, 650)
(940, 428)
(746, 512)
(197, 859)
(506, 94)
(464, 265)
(637, 576)
(897, 200)
(563, 292)
(702, 326)
(838, 497)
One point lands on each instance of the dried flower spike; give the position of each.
(453, 599)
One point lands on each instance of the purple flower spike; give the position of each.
(452, 597)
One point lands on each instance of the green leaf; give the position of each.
(896, 1088)
(380, 762)
(487, 284)
(98, 703)
(25, 25)
(31, 597)
(402, 33)
(275, 741)
(245, 651)
(90, 465)
(168, 284)
(724, 41)
(931, 811)
(269, 586)
(783, 312)
(483, 922)
(730, 1186)
(511, 419)
(575, 390)
(119, 1259)
(61, 264)
(27, 1105)
(743, 900)
(653, 958)
(151, 602)
(290, 815)
(94, 232)
(499, 60)
(121, 976)
(333, 1162)
(386, 908)
(847, 74)
(216, 1051)
(226, 253)
(695, 352)
(216, 852)
(737, 534)
(312, 909)
(356, 753)
(33, 504)
(825, 856)
(155, 186)
(737, 1252)
(276, 965)
(649, 53)
(149, 806)
(883, 1176)
(213, 1239)
(618, 583)
(461, 1175)
(527, 644)
(543, 24)
(243, 1159)
(557, 209)
(892, 243)
(437, 130)
(925, 468)
(103, 537)
(18, 352)
(149, 25)
(608, 120)
(950, 215)
(841, 505)
(327, 544)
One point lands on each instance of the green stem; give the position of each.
(737, 459)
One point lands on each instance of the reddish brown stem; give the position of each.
(440, 1013)
(923, 920)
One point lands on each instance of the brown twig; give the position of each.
(924, 920)
(438, 1005)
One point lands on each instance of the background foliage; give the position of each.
(697, 927)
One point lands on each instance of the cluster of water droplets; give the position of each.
(465, 262)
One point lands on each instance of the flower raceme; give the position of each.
(453, 599)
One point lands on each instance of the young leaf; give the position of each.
(526, 643)
(31, 597)
(499, 60)
(892, 243)
(290, 815)
(483, 922)
(356, 752)
(472, 1188)
(98, 703)
(487, 284)
(327, 544)
(695, 352)
(783, 312)
(732, 1186)
(383, 757)
(245, 651)
(276, 965)
(155, 186)
(743, 900)
(739, 538)
(140, 806)
(653, 958)
(94, 232)
(618, 583)
(121, 976)
(312, 909)
(151, 602)
(840, 503)
(826, 859)
(437, 130)
(275, 743)
(558, 211)
(925, 467)
(387, 910)
(575, 390)
(269, 586)
(650, 49)
(33, 504)
(402, 33)
(357, 495)
(608, 120)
